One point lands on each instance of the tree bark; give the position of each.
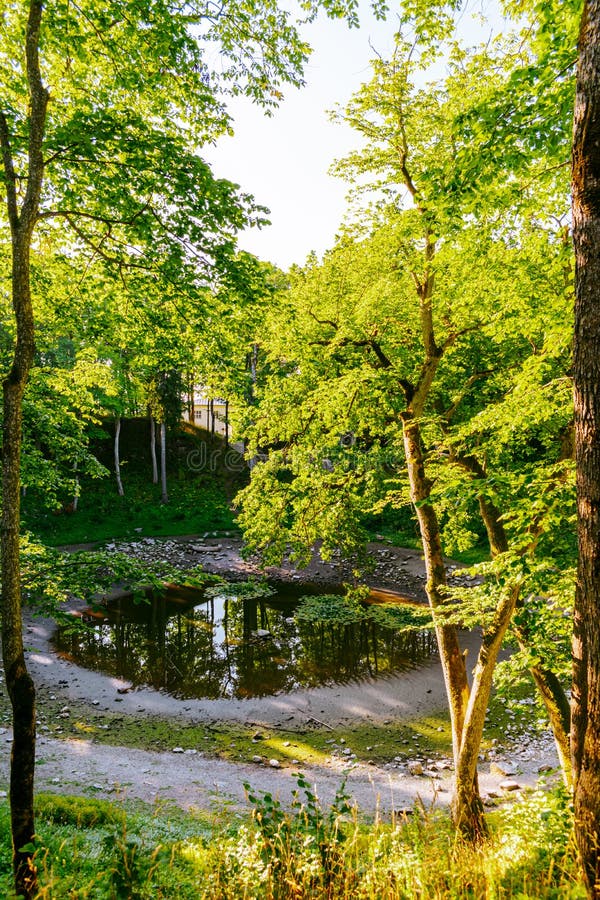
(153, 450)
(467, 809)
(19, 684)
(558, 710)
(18, 681)
(117, 454)
(164, 496)
(75, 501)
(585, 742)
(551, 691)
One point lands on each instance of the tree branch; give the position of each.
(330, 322)
(448, 414)
(71, 214)
(9, 171)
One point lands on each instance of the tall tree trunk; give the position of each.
(586, 377)
(467, 711)
(18, 681)
(557, 708)
(153, 450)
(467, 808)
(164, 496)
(117, 454)
(192, 401)
(75, 502)
(551, 691)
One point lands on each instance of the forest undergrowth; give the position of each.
(87, 848)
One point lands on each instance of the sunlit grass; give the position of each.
(89, 848)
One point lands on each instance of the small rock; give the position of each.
(415, 768)
(510, 786)
(545, 768)
(257, 759)
(274, 763)
(501, 769)
(178, 750)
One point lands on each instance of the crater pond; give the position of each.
(244, 640)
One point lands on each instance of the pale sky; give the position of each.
(284, 160)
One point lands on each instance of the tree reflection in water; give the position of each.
(218, 643)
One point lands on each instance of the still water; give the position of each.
(191, 645)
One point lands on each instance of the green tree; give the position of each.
(403, 338)
(103, 110)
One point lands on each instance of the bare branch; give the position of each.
(333, 324)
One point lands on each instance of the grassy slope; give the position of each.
(203, 478)
(202, 481)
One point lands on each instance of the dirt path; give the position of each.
(191, 779)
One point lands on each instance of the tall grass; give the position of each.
(92, 849)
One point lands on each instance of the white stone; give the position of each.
(510, 785)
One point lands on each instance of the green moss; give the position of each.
(81, 813)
